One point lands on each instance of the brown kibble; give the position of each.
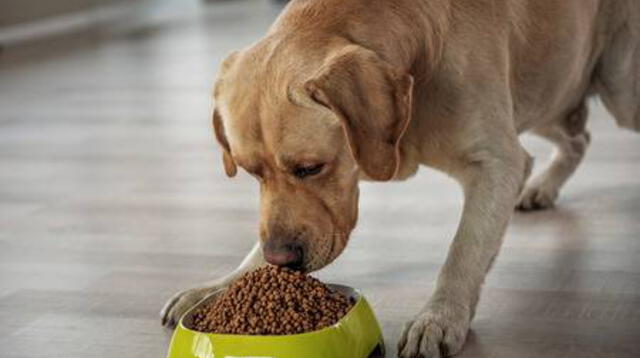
(274, 301)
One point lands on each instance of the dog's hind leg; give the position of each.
(184, 300)
(617, 75)
(616, 79)
(571, 140)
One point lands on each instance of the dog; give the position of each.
(340, 91)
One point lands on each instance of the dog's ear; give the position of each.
(229, 164)
(373, 101)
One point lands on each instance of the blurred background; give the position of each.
(112, 198)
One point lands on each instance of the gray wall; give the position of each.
(14, 12)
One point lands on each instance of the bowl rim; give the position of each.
(346, 290)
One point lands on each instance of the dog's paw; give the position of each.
(537, 197)
(437, 332)
(180, 303)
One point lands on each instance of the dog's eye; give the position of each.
(305, 171)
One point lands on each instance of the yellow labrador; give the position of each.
(343, 90)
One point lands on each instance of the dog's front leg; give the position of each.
(182, 301)
(491, 182)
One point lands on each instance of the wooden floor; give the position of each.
(112, 197)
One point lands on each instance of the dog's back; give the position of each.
(560, 51)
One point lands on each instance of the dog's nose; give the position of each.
(287, 255)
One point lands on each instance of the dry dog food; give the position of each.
(272, 301)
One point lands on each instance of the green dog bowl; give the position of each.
(356, 335)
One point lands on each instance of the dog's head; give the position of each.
(307, 129)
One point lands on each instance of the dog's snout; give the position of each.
(290, 255)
